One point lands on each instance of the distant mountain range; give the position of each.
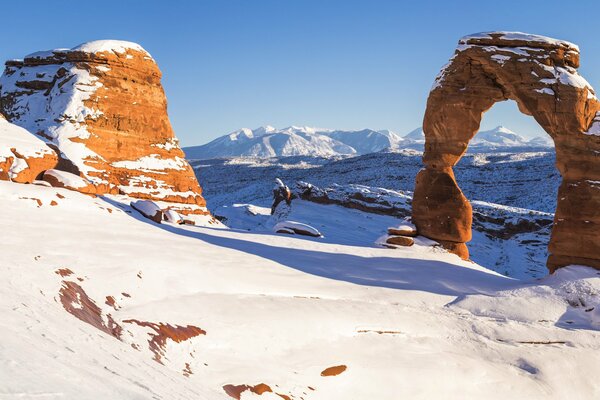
(268, 141)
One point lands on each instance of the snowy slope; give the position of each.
(317, 142)
(516, 190)
(525, 180)
(274, 309)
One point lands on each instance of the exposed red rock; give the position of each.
(187, 371)
(400, 241)
(64, 272)
(76, 302)
(38, 201)
(101, 104)
(235, 391)
(67, 180)
(333, 371)
(540, 74)
(148, 209)
(110, 301)
(162, 332)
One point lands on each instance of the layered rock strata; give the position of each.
(540, 74)
(101, 105)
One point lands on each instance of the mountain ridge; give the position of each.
(267, 141)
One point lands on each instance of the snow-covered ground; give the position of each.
(275, 309)
(525, 180)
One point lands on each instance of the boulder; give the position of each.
(67, 180)
(172, 216)
(148, 209)
(285, 231)
(400, 241)
(540, 75)
(297, 228)
(102, 106)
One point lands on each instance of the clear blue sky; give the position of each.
(336, 64)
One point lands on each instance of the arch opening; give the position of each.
(540, 75)
(512, 184)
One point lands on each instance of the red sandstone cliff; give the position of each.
(102, 107)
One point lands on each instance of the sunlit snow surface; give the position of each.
(277, 309)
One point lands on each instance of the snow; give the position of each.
(67, 179)
(501, 59)
(147, 208)
(115, 46)
(152, 163)
(24, 143)
(569, 76)
(173, 216)
(296, 227)
(278, 309)
(520, 36)
(595, 127)
(46, 53)
(60, 114)
(546, 91)
(96, 46)
(405, 226)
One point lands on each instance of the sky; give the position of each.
(334, 64)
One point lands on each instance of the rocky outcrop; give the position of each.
(67, 180)
(23, 157)
(359, 197)
(399, 240)
(148, 209)
(540, 74)
(102, 106)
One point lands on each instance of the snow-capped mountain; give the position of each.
(268, 141)
(502, 137)
(367, 140)
(415, 136)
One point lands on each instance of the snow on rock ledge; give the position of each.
(292, 227)
(102, 105)
(148, 209)
(69, 181)
(23, 156)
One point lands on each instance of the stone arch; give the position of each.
(540, 75)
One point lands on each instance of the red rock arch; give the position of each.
(540, 74)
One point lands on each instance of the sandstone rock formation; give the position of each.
(405, 229)
(148, 209)
(102, 107)
(540, 74)
(67, 180)
(23, 157)
(399, 240)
